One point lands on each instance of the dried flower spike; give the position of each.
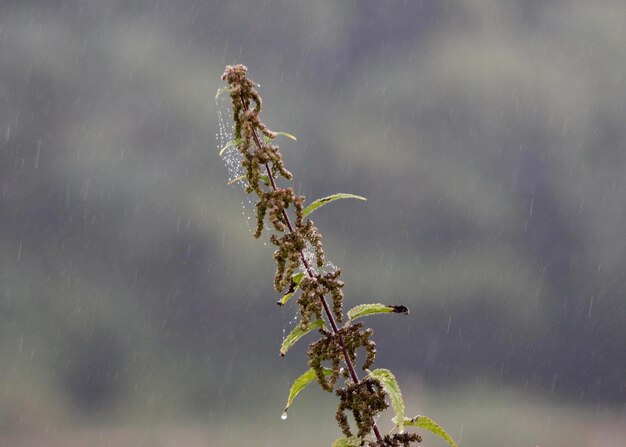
(301, 268)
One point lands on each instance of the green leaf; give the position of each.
(363, 310)
(232, 143)
(293, 287)
(296, 334)
(393, 389)
(323, 201)
(282, 134)
(301, 383)
(220, 91)
(428, 424)
(285, 297)
(352, 441)
(285, 134)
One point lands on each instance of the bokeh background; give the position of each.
(489, 137)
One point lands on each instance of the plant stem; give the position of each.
(313, 274)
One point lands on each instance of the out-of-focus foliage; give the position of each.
(488, 137)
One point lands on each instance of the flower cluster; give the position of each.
(330, 348)
(365, 400)
(263, 163)
(247, 123)
(292, 244)
(397, 440)
(314, 287)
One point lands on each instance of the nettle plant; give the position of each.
(302, 271)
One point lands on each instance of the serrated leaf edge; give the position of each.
(363, 310)
(390, 384)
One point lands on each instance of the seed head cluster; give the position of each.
(365, 400)
(294, 238)
(397, 440)
(314, 287)
(329, 349)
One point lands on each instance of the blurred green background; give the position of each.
(489, 137)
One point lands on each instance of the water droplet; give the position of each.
(284, 416)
